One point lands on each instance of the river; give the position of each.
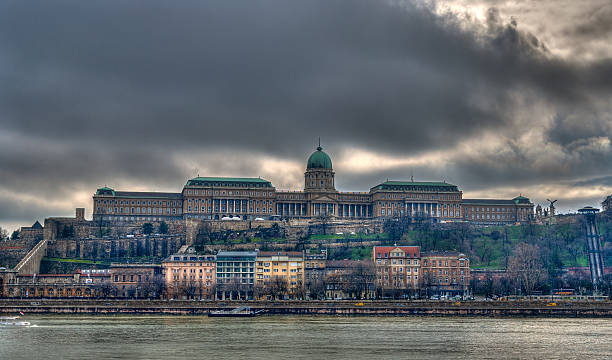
(303, 337)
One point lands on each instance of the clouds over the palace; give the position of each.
(142, 95)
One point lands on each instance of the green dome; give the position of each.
(319, 160)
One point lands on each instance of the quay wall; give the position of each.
(378, 308)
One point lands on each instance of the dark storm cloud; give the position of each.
(181, 74)
(598, 24)
(149, 93)
(599, 181)
(26, 212)
(569, 128)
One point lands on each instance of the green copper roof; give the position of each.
(319, 160)
(415, 186)
(105, 191)
(521, 200)
(222, 181)
(417, 183)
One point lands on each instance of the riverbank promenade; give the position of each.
(347, 308)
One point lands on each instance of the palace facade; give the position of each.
(225, 198)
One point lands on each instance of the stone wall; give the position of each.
(12, 251)
(84, 229)
(102, 248)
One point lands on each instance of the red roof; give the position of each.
(384, 251)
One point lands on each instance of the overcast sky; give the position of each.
(499, 97)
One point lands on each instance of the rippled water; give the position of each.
(292, 337)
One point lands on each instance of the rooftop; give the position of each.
(137, 194)
(189, 258)
(237, 253)
(279, 253)
(381, 251)
(148, 194)
(223, 181)
(416, 185)
(442, 253)
(319, 160)
(488, 202)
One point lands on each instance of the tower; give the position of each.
(319, 187)
(319, 175)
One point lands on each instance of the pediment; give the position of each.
(322, 198)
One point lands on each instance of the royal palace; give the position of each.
(226, 198)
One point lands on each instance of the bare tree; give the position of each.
(3, 234)
(276, 287)
(299, 291)
(189, 289)
(154, 287)
(525, 267)
(427, 280)
(234, 288)
(106, 289)
(323, 222)
(315, 288)
(358, 282)
(259, 290)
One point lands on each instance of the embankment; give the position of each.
(349, 308)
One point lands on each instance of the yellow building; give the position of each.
(279, 275)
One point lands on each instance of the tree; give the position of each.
(579, 280)
(234, 288)
(147, 228)
(323, 222)
(276, 287)
(359, 282)
(189, 289)
(3, 234)
(163, 228)
(103, 227)
(132, 293)
(15, 235)
(106, 289)
(525, 267)
(315, 288)
(428, 282)
(154, 287)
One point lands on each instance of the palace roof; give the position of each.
(144, 194)
(228, 181)
(501, 202)
(138, 194)
(416, 186)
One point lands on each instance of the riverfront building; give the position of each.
(134, 280)
(397, 267)
(446, 273)
(225, 198)
(288, 266)
(235, 274)
(76, 285)
(406, 270)
(190, 276)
